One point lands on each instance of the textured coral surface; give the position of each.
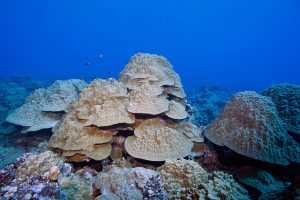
(250, 125)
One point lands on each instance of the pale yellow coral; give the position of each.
(155, 141)
(186, 179)
(193, 132)
(148, 68)
(147, 100)
(71, 134)
(151, 79)
(103, 103)
(176, 111)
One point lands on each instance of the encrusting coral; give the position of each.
(74, 187)
(42, 108)
(148, 100)
(130, 183)
(39, 165)
(186, 179)
(287, 100)
(250, 125)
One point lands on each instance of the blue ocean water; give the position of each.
(248, 44)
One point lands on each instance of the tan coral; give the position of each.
(147, 100)
(176, 111)
(155, 141)
(103, 103)
(74, 138)
(116, 153)
(111, 112)
(71, 134)
(175, 91)
(38, 165)
(151, 79)
(148, 68)
(193, 132)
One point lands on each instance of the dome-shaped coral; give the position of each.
(151, 79)
(250, 125)
(287, 100)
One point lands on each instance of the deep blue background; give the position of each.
(243, 44)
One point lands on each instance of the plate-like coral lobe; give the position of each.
(250, 125)
(39, 110)
(155, 141)
(103, 103)
(151, 80)
(72, 136)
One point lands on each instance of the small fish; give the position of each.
(101, 56)
(109, 73)
(87, 63)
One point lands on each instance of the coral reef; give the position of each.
(186, 179)
(155, 141)
(208, 101)
(127, 139)
(147, 100)
(286, 97)
(41, 109)
(250, 125)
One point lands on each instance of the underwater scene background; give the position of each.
(227, 43)
(149, 99)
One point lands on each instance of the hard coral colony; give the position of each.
(144, 117)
